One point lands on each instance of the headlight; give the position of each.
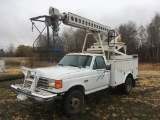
(55, 83)
(51, 83)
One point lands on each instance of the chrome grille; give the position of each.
(43, 83)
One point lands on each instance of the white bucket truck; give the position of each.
(103, 65)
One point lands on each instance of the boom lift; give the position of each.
(111, 41)
(105, 64)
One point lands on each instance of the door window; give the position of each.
(99, 63)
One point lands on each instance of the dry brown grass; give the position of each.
(13, 65)
(13, 70)
(149, 66)
(10, 70)
(14, 61)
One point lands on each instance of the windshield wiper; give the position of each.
(74, 65)
(60, 65)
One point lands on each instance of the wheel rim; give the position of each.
(74, 103)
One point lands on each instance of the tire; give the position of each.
(127, 86)
(72, 102)
(120, 88)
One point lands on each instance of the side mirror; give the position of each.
(111, 35)
(108, 66)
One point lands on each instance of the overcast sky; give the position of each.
(15, 26)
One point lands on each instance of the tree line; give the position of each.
(143, 40)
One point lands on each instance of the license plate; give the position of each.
(22, 96)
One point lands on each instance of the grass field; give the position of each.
(16, 69)
(142, 104)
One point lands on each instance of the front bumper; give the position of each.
(38, 95)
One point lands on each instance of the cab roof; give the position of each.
(90, 54)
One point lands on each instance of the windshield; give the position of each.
(81, 61)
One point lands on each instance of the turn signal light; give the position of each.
(58, 84)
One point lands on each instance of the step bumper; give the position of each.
(39, 96)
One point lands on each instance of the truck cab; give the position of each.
(75, 69)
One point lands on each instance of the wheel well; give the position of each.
(78, 87)
(133, 81)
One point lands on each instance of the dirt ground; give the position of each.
(142, 104)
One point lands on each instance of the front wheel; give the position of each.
(127, 86)
(72, 102)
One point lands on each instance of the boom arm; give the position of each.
(77, 21)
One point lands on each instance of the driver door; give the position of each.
(99, 74)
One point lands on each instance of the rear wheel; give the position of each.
(72, 102)
(127, 86)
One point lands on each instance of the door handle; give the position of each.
(85, 80)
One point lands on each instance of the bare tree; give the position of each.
(10, 50)
(67, 38)
(142, 37)
(128, 33)
(2, 53)
(153, 30)
(74, 38)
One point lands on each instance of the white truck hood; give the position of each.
(54, 72)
